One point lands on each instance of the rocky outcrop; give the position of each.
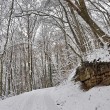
(93, 74)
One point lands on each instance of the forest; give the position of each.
(42, 41)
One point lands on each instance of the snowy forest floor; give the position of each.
(67, 96)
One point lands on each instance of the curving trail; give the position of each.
(35, 100)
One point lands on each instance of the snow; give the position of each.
(70, 97)
(70, 77)
(35, 100)
(66, 96)
(100, 55)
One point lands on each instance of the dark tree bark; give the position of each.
(81, 9)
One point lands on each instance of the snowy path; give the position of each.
(37, 100)
(66, 96)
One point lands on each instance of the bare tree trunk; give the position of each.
(82, 11)
(29, 54)
(1, 72)
(50, 71)
(5, 46)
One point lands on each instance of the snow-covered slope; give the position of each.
(100, 55)
(67, 96)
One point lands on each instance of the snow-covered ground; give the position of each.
(67, 96)
(100, 55)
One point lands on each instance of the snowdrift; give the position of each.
(67, 96)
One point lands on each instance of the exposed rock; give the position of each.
(93, 74)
